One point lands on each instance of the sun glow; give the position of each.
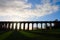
(30, 26)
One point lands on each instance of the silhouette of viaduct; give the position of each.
(5, 24)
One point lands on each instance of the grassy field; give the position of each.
(30, 35)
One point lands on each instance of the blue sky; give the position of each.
(29, 10)
(50, 17)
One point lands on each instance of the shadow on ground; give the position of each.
(29, 35)
(16, 35)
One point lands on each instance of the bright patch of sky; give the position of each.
(29, 10)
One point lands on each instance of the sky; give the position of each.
(29, 10)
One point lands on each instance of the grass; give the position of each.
(5, 35)
(30, 35)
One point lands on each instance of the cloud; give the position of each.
(55, 1)
(21, 10)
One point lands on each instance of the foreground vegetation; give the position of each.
(30, 35)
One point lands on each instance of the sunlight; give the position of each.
(17, 26)
(22, 25)
(30, 26)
